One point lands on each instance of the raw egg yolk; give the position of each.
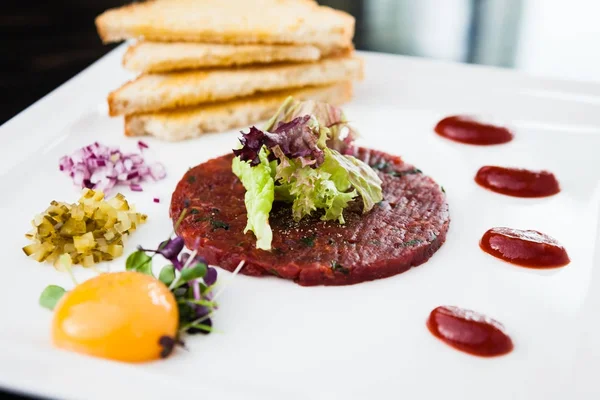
(120, 316)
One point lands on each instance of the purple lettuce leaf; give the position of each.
(339, 133)
(251, 142)
(296, 139)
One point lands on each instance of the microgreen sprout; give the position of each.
(66, 262)
(51, 295)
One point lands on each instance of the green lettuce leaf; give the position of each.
(357, 173)
(260, 193)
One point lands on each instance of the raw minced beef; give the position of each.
(402, 231)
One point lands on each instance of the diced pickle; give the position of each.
(88, 261)
(31, 248)
(73, 227)
(38, 220)
(115, 250)
(85, 243)
(45, 229)
(88, 232)
(77, 213)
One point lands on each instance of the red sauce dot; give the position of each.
(464, 129)
(531, 249)
(517, 182)
(469, 331)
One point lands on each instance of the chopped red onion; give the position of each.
(157, 171)
(156, 200)
(101, 167)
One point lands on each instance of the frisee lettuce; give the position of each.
(309, 189)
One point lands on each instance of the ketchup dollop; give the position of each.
(517, 182)
(469, 331)
(465, 129)
(530, 249)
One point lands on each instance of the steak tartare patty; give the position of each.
(402, 231)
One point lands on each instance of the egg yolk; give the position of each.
(120, 316)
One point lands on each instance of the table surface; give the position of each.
(45, 44)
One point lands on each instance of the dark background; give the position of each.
(44, 43)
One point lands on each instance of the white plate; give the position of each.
(279, 340)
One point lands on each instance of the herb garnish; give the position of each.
(407, 172)
(335, 266)
(299, 158)
(308, 241)
(411, 243)
(216, 224)
(381, 165)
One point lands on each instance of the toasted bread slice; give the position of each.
(217, 117)
(229, 21)
(164, 91)
(167, 57)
